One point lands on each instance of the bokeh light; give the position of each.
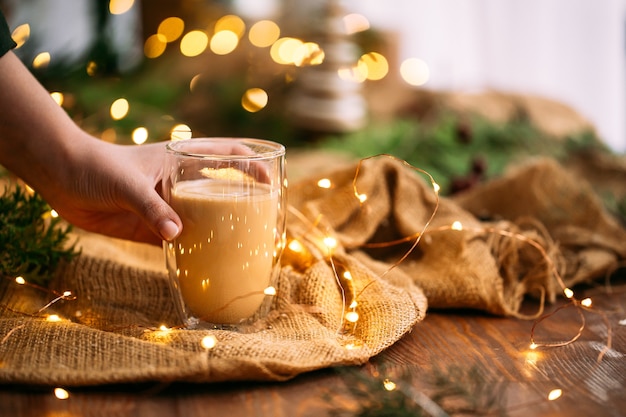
(224, 42)
(356, 73)
(42, 60)
(376, 64)
(119, 109)
(120, 6)
(57, 97)
(263, 33)
(171, 28)
(231, 23)
(355, 23)
(415, 71)
(21, 34)
(140, 135)
(155, 46)
(194, 43)
(283, 50)
(180, 132)
(308, 53)
(254, 99)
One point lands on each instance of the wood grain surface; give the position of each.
(493, 351)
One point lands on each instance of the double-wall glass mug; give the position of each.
(230, 194)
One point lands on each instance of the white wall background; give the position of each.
(569, 50)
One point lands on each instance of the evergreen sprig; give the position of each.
(32, 243)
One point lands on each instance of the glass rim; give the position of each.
(273, 149)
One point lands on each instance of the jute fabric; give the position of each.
(110, 332)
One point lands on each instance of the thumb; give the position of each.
(159, 217)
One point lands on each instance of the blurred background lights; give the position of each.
(120, 6)
(254, 99)
(376, 64)
(140, 135)
(224, 42)
(283, 50)
(154, 46)
(356, 73)
(57, 97)
(415, 71)
(41, 60)
(21, 34)
(180, 132)
(263, 33)
(171, 28)
(308, 53)
(91, 68)
(231, 23)
(194, 43)
(355, 23)
(119, 109)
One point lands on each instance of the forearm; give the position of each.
(36, 135)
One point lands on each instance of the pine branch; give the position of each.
(32, 242)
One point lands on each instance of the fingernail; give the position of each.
(169, 230)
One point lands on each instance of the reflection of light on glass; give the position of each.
(120, 6)
(154, 46)
(263, 33)
(415, 71)
(41, 60)
(308, 53)
(140, 135)
(254, 99)
(224, 42)
(194, 43)
(180, 132)
(119, 109)
(231, 23)
(171, 28)
(377, 66)
(355, 22)
(21, 34)
(57, 97)
(282, 51)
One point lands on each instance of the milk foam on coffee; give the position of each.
(226, 251)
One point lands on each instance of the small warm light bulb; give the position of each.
(163, 328)
(533, 346)
(362, 197)
(67, 294)
(61, 394)
(269, 291)
(324, 183)
(20, 280)
(457, 225)
(568, 293)
(208, 342)
(555, 394)
(347, 275)
(586, 302)
(352, 316)
(330, 242)
(389, 385)
(53, 213)
(295, 246)
(53, 318)
(353, 304)
(436, 187)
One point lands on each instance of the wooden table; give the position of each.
(490, 352)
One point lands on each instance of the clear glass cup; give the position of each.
(230, 195)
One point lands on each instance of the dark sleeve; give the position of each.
(6, 42)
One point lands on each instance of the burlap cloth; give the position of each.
(110, 332)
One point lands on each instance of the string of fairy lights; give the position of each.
(299, 257)
(222, 39)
